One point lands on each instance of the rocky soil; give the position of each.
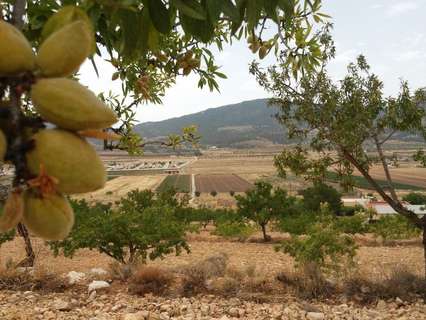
(107, 306)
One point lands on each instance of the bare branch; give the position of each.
(385, 168)
(18, 13)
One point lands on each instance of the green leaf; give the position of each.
(270, 7)
(131, 25)
(190, 8)
(160, 16)
(201, 29)
(214, 9)
(254, 11)
(230, 10)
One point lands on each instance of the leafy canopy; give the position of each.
(151, 42)
(341, 126)
(143, 226)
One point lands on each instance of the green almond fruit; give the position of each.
(3, 146)
(67, 15)
(69, 105)
(62, 53)
(13, 211)
(49, 216)
(16, 54)
(68, 158)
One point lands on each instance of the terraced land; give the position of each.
(181, 183)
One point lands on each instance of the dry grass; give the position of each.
(195, 276)
(12, 278)
(150, 279)
(399, 282)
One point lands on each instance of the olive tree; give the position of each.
(343, 126)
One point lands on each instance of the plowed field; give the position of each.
(221, 183)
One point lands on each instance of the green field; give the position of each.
(361, 182)
(181, 183)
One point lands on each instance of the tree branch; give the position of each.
(385, 168)
(396, 205)
(388, 137)
(18, 13)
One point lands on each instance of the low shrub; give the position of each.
(415, 198)
(213, 193)
(17, 279)
(150, 279)
(196, 275)
(234, 229)
(351, 224)
(394, 227)
(399, 282)
(197, 193)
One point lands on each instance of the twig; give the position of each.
(18, 13)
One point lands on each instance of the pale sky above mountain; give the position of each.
(390, 33)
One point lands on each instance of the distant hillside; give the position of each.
(246, 124)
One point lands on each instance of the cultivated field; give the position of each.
(180, 183)
(221, 183)
(118, 187)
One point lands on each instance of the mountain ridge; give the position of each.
(238, 125)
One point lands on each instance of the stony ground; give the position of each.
(116, 303)
(30, 305)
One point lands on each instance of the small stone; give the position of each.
(75, 277)
(92, 295)
(315, 316)
(309, 307)
(98, 285)
(234, 312)
(136, 316)
(61, 305)
(98, 271)
(381, 305)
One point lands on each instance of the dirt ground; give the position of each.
(221, 183)
(372, 261)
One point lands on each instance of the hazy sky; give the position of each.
(390, 33)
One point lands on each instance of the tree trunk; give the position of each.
(29, 260)
(266, 238)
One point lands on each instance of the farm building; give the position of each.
(382, 208)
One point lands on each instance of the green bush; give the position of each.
(394, 227)
(234, 229)
(297, 224)
(320, 193)
(323, 246)
(144, 226)
(415, 198)
(351, 224)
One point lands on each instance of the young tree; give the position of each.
(263, 204)
(149, 42)
(335, 124)
(144, 226)
(322, 193)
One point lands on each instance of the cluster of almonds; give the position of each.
(61, 161)
(257, 45)
(187, 62)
